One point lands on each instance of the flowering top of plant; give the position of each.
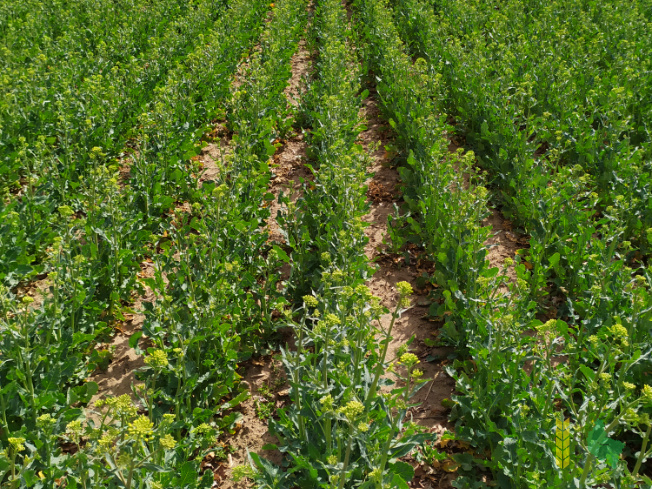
(141, 428)
(157, 359)
(404, 288)
(352, 410)
(122, 405)
(45, 421)
(167, 442)
(17, 444)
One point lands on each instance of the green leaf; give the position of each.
(402, 469)
(236, 400)
(588, 373)
(603, 447)
(283, 256)
(133, 339)
(596, 437)
(484, 129)
(5, 463)
(187, 475)
(91, 388)
(399, 483)
(270, 149)
(611, 451)
(78, 338)
(153, 468)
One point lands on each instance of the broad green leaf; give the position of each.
(402, 469)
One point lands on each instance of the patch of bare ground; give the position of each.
(120, 375)
(213, 154)
(264, 376)
(504, 243)
(266, 381)
(289, 171)
(37, 289)
(288, 165)
(413, 324)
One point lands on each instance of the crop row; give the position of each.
(587, 363)
(578, 92)
(343, 429)
(192, 326)
(95, 108)
(103, 54)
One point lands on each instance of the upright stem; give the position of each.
(150, 399)
(131, 474)
(13, 468)
(587, 469)
(28, 361)
(383, 460)
(297, 378)
(83, 479)
(641, 454)
(325, 360)
(408, 386)
(329, 429)
(345, 466)
(3, 406)
(381, 361)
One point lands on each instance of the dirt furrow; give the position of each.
(288, 168)
(504, 242)
(264, 376)
(383, 194)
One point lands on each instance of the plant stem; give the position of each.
(381, 360)
(641, 454)
(13, 467)
(3, 406)
(345, 466)
(150, 399)
(297, 378)
(131, 474)
(325, 360)
(587, 469)
(28, 361)
(383, 460)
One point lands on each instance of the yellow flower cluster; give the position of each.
(141, 428)
(157, 359)
(646, 394)
(327, 402)
(352, 410)
(17, 444)
(409, 360)
(122, 405)
(168, 442)
(620, 333)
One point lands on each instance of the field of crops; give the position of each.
(325, 244)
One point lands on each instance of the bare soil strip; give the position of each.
(504, 243)
(383, 193)
(265, 379)
(264, 376)
(288, 162)
(289, 170)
